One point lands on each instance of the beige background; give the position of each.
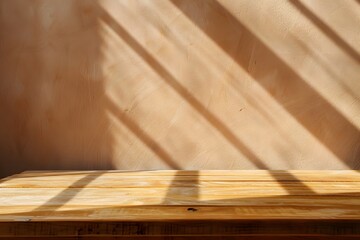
(182, 84)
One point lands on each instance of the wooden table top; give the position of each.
(293, 198)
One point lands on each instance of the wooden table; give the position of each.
(181, 203)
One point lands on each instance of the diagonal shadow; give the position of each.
(192, 188)
(182, 91)
(310, 109)
(326, 30)
(68, 193)
(299, 198)
(294, 187)
(291, 178)
(142, 135)
(170, 79)
(330, 71)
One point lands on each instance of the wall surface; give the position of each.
(181, 84)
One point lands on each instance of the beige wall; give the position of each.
(145, 84)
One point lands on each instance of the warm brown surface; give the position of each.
(312, 203)
(182, 84)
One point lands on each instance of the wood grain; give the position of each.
(176, 203)
(179, 84)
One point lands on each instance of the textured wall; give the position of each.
(179, 84)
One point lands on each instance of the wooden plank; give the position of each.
(176, 212)
(183, 228)
(304, 175)
(178, 182)
(168, 197)
(131, 196)
(164, 178)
